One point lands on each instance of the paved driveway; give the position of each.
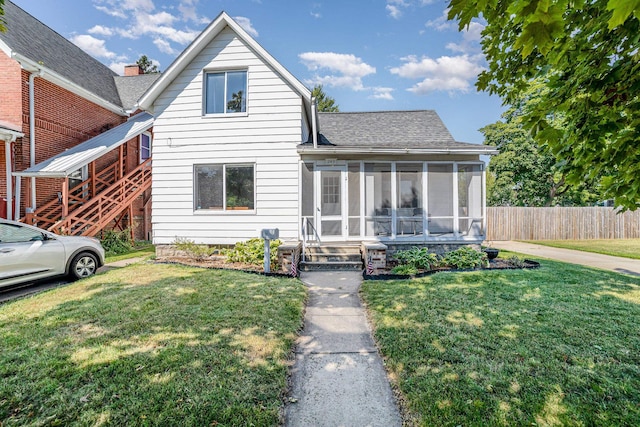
(589, 259)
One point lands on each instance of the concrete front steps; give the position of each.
(332, 257)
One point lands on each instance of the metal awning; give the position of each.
(63, 164)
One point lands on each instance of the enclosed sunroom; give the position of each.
(391, 176)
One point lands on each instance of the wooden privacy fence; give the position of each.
(510, 223)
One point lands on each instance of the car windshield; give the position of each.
(11, 233)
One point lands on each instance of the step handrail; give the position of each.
(103, 208)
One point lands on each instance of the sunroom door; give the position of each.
(331, 204)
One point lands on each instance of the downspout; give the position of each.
(314, 122)
(32, 131)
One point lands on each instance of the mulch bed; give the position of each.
(222, 264)
(495, 264)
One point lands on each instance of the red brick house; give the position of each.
(70, 142)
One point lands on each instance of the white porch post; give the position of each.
(7, 158)
(18, 196)
(484, 200)
(456, 209)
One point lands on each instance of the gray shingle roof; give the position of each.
(131, 88)
(34, 40)
(386, 129)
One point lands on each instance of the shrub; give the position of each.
(405, 269)
(252, 252)
(419, 258)
(515, 261)
(465, 258)
(194, 250)
(117, 242)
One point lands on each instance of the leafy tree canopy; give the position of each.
(523, 174)
(587, 53)
(3, 27)
(146, 65)
(325, 103)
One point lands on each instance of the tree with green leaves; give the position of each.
(325, 103)
(586, 52)
(523, 174)
(3, 23)
(147, 66)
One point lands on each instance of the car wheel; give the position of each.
(83, 265)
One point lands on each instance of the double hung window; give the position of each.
(145, 146)
(225, 92)
(225, 187)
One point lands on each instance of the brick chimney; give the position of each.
(132, 70)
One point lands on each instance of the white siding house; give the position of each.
(238, 147)
(191, 144)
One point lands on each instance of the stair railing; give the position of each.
(306, 223)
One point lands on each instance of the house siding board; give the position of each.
(267, 137)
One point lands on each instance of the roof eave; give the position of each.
(67, 84)
(486, 151)
(136, 125)
(217, 25)
(9, 135)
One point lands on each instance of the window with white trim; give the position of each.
(224, 187)
(145, 146)
(225, 92)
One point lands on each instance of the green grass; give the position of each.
(139, 250)
(627, 248)
(555, 346)
(150, 345)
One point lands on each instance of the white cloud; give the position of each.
(118, 66)
(146, 5)
(165, 47)
(470, 39)
(447, 73)
(316, 15)
(395, 7)
(442, 22)
(394, 11)
(245, 23)
(188, 11)
(101, 31)
(343, 70)
(93, 46)
(382, 93)
(162, 18)
(112, 12)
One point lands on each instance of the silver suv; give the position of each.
(29, 253)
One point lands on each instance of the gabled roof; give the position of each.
(131, 88)
(65, 163)
(220, 23)
(31, 39)
(388, 131)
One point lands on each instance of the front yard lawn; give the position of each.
(626, 248)
(150, 345)
(555, 346)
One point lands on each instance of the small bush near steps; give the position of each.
(252, 252)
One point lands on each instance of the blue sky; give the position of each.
(370, 55)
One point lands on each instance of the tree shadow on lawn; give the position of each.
(150, 345)
(554, 346)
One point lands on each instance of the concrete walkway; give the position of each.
(589, 259)
(338, 378)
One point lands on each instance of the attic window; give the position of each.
(225, 92)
